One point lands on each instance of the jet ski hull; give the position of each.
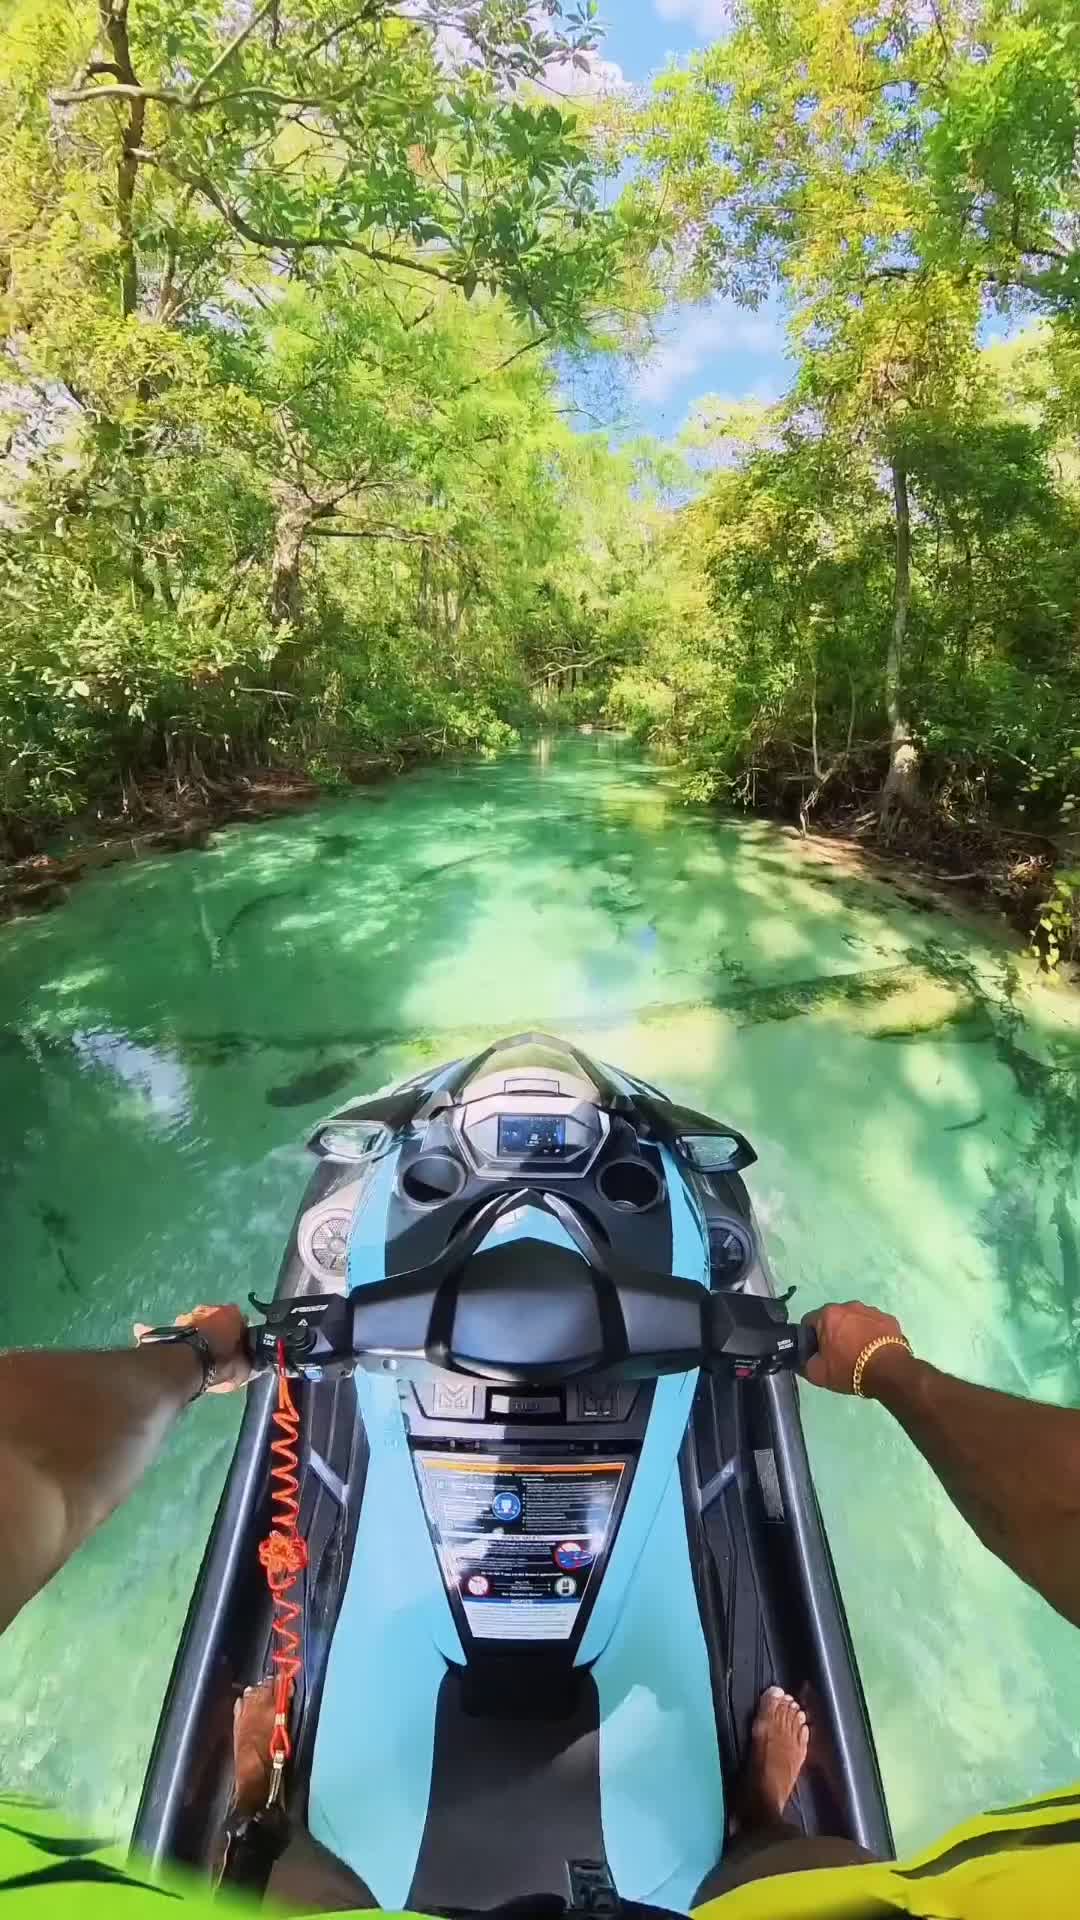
(486, 1706)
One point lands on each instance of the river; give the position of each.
(912, 1088)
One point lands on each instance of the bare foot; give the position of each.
(778, 1741)
(253, 1724)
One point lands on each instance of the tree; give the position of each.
(278, 301)
(206, 161)
(781, 699)
(1002, 124)
(895, 174)
(788, 150)
(393, 134)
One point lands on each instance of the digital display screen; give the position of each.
(530, 1134)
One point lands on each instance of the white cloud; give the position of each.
(701, 340)
(709, 18)
(599, 77)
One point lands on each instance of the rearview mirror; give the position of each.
(716, 1152)
(347, 1139)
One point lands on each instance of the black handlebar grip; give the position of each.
(807, 1346)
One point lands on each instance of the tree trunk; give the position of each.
(114, 26)
(901, 789)
(286, 604)
(113, 15)
(424, 587)
(459, 612)
(963, 638)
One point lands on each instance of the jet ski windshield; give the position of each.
(532, 1104)
(531, 1064)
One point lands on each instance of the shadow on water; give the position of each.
(152, 1066)
(168, 1039)
(1031, 1223)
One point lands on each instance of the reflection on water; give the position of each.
(169, 1038)
(158, 1076)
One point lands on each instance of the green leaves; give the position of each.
(377, 133)
(301, 495)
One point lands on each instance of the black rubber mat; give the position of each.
(512, 1801)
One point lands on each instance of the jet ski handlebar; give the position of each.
(529, 1312)
(531, 1335)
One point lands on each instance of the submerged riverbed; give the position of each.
(913, 1091)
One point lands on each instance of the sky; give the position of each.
(719, 348)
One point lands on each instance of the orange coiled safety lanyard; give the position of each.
(284, 1555)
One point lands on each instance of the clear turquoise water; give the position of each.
(913, 1091)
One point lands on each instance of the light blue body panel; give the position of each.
(371, 1771)
(661, 1791)
(661, 1787)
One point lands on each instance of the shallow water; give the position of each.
(168, 1038)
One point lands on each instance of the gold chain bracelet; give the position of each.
(883, 1340)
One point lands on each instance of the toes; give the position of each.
(779, 1703)
(781, 1710)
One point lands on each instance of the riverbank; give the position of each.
(1026, 878)
(168, 817)
(976, 868)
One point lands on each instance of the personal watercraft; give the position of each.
(560, 1521)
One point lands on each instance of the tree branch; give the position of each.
(289, 243)
(363, 15)
(945, 47)
(234, 46)
(529, 347)
(123, 90)
(399, 534)
(126, 87)
(579, 666)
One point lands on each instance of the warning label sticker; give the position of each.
(517, 1541)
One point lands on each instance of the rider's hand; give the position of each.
(843, 1332)
(223, 1329)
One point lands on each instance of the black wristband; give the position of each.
(189, 1337)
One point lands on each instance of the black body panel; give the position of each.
(417, 1236)
(500, 1790)
(769, 1600)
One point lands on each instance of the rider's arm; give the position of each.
(1011, 1466)
(77, 1431)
